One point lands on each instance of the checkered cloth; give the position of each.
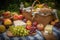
(56, 32)
(38, 36)
(0, 22)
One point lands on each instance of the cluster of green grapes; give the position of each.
(18, 30)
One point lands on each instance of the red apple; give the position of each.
(6, 14)
(28, 27)
(40, 27)
(20, 17)
(15, 17)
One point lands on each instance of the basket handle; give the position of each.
(33, 6)
(35, 2)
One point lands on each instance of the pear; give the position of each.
(7, 22)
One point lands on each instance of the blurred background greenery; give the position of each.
(13, 5)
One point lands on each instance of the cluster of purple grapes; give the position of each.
(33, 30)
(57, 25)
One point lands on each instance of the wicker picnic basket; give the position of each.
(40, 19)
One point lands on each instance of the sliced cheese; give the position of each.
(48, 28)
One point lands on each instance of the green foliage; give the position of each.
(15, 4)
(51, 4)
(13, 7)
(58, 12)
(26, 4)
